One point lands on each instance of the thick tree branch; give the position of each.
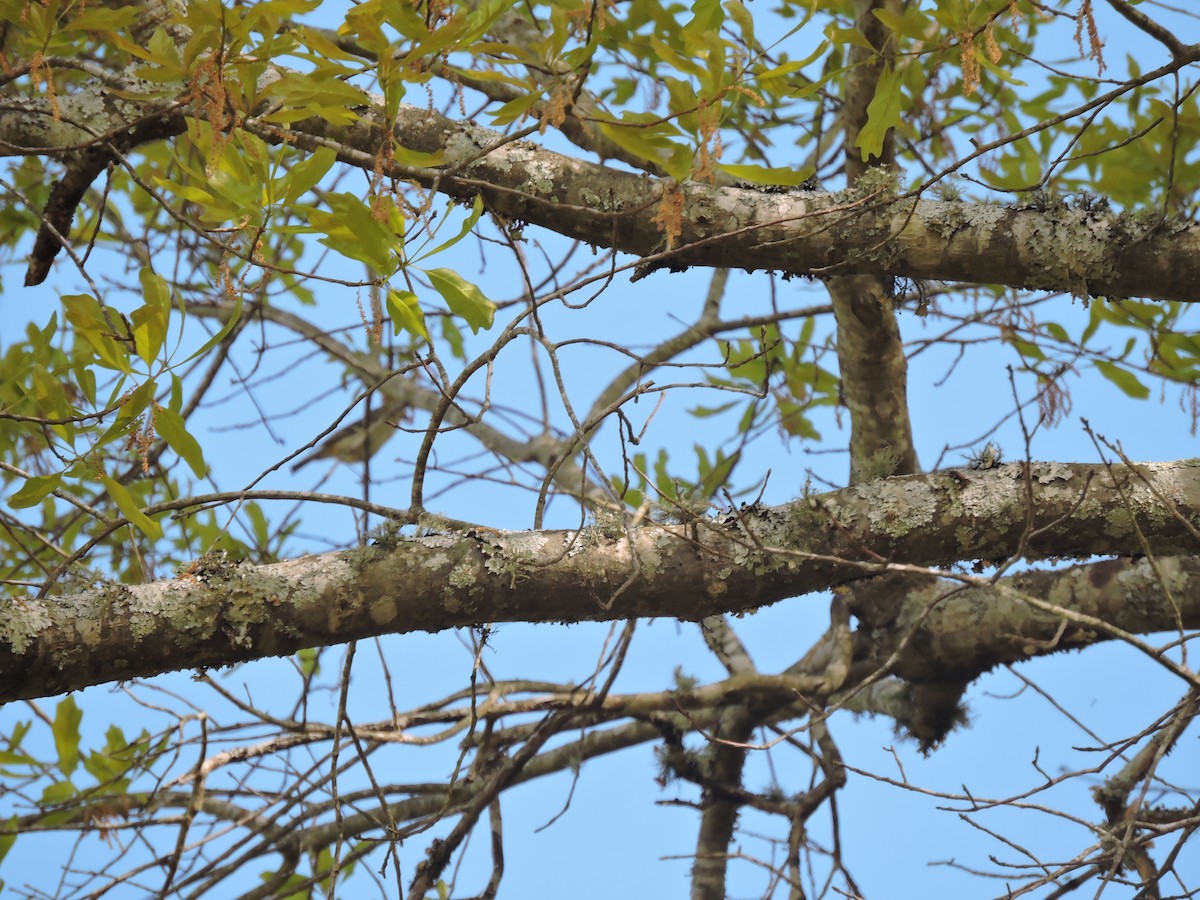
(217, 613)
(796, 232)
(961, 634)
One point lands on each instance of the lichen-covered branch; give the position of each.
(217, 613)
(798, 232)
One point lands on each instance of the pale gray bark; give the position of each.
(218, 613)
(796, 232)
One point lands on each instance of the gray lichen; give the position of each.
(22, 619)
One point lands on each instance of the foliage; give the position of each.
(403, 241)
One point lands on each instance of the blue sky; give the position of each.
(618, 827)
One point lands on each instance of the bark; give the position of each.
(217, 612)
(796, 232)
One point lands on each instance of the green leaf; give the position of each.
(359, 232)
(67, 716)
(913, 24)
(307, 174)
(651, 139)
(476, 212)
(150, 320)
(515, 109)
(1122, 378)
(306, 94)
(453, 336)
(130, 510)
(704, 412)
(1057, 332)
(88, 319)
(785, 176)
(260, 529)
(294, 888)
(115, 741)
(108, 771)
(707, 17)
(8, 836)
(58, 792)
(101, 18)
(883, 113)
(309, 660)
(1027, 349)
(17, 758)
(225, 329)
(464, 299)
(839, 35)
(173, 429)
(406, 314)
(405, 157)
(35, 489)
(132, 406)
(715, 474)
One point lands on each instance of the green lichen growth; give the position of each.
(805, 517)
(387, 535)
(610, 523)
(880, 464)
(78, 579)
(429, 523)
(213, 566)
(948, 191)
(461, 577)
(876, 180)
(511, 562)
(244, 612)
(950, 218)
(901, 508)
(685, 682)
(358, 558)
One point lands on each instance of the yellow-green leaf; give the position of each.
(225, 329)
(102, 18)
(130, 510)
(353, 229)
(464, 299)
(150, 320)
(9, 835)
(172, 429)
(1123, 378)
(306, 174)
(132, 406)
(785, 176)
(883, 113)
(839, 35)
(914, 23)
(89, 322)
(476, 212)
(34, 490)
(515, 109)
(54, 794)
(406, 314)
(67, 716)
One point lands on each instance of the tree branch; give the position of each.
(798, 232)
(217, 612)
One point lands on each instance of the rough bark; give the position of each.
(795, 232)
(218, 613)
